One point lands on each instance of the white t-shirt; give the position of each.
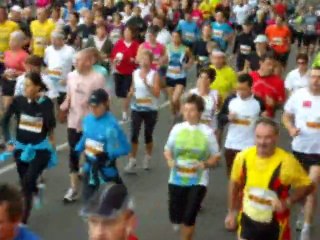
(241, 132)
(164, 37)
(241, 13)
(295, 80)
(211, 105)
(145, 9)
(187, 143)
(51, 93)
(306, 110)
(59, 63)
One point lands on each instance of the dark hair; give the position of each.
(101, 25)
(34, 60)
(268, 55)
(76, 15)
(269, 122)
(245, 78)
(154, 30)
(197, 101)
(36, 80)
(302, 56)
(178, 32)
(12, 197)
(211, 72)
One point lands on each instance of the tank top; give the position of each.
(157, 51)
(143, 99)
(176, 59)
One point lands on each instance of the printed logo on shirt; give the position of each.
(93, 148)
(217, 33)
(307, 104)
(278, 41)
(30, 123)
(187, 169)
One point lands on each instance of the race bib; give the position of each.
(187, 169)
(313, 123)
(311, 28)
(144, 101)
(243, 120)
(174, 69)
(245, 49)
(55, 74)
(217, 33)
(258, 204)
(189, 36)
(40, 41)
(93, 148)
(278, 41)
(31, 124)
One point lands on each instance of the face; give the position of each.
(101, 32)
(41, 15)
(56, 42)
(203, 81)
(73, 20)
(7, 227)
(247, 28)
(145, 61)
(207, 31)
(188, 17)
(31, 68)
(152, 37)
(261, 46)
(14, 43)
(219, 17)
(266, 139)
(83, 62)
(104, 229)
(89, 18)
(157, 22)
(278, 20)
(191, 113)
(15, 15)
(176, 38)
(243, 90)
(218, 61)
(127, 34)
(55, 14)
(98, 110)
(302, 64)
(267, 67)
(315, 80)
(30, 89)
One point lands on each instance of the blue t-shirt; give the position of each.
(79, 4)
(190, 31)
(219, 31)
(25, 234)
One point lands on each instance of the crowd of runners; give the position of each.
(65, 62)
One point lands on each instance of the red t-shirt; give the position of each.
(15, 60)
(280, 9)
(132, 237)
(269, 86)
(127, 65)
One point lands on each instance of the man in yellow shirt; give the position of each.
(6, 28)
(261, 178)
(226, 78)
(41, 30)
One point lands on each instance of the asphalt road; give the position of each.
(57, 221)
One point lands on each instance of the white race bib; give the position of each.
(217, 33)
(245, 49)
(187, 169)
(31, 124)
(93, 148)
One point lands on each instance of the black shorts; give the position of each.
(281, 57)
(61, 98)
(185, 203)
(309, 39)
(307, 160)
(8, 87)
(122, 84)
(251, 230)
(170, 82)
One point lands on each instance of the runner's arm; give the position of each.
(6, 119)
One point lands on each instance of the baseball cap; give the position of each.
(108, 202)
(98, 96)
(261, 39)
(16, 8)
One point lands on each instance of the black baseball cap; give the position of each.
(108, 202)
(98, 96)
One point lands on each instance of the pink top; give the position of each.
(15, 60)
(79, 89)
(157, 52)
(197, 16)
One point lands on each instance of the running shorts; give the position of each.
(309, 39)
(307, 160)
(122, 84)
(170, 82)
(185, 203)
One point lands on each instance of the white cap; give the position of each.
(261, 39)
(16, 8)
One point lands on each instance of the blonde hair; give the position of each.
(19, 36)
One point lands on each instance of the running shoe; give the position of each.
(305, 234)
(71, 196)
(130, 168)
(146, 162)
(38, 198)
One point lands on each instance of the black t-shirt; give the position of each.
(254, 60)
(106, 12)
(243, 46)
(71, 35)
(35, 120)
(200, 51)
(85, 31)
(259, 28)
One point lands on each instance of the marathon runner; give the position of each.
(265, 173)
(189, 174)
(302, 122)
(309, 24)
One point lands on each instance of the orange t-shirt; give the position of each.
(279, 38)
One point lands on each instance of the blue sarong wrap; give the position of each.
(29, 152)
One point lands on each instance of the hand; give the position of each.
(10, 148)
(293, 131)
(202, 165)
(230, 222)
(278, 205)
(63, 82)
(232, 116)
(270, 102)
(171, 163)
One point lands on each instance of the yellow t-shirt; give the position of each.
(257, 173)
(6, 29)
(225, 82)
(41, 33)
